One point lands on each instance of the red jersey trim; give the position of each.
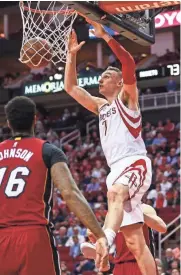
(44, 203)
(133, 167)
(132, 119)
(134, 131)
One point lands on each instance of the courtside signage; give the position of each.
(54, 86)
(116, 7)
(168, 19)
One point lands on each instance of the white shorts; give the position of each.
(136, 173)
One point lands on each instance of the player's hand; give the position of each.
(102, 254)
(73, 46)
(91, 236)
(99, 30)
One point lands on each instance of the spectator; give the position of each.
(64, 269)
(83, 231)
(75, 247)
(100, 213)
(160, 126)
(168, 170)
(159, 139)
(168, 259)
(93, 185)
(148, 91)
(178, 148)
(169, 126)
(153, 131)
(175, 264)
(95, 137)
(178, 126)
(160, 270)
(153, 194)
(165, 185)
(92, 153)
(147, 127)
(98, 170)
(158, 262)
(172, 158)
(53, 138)
(148, 139)
(88, 143)
(72, 224)
(57, 216)
(171, 85)
(87, 177)
(175, 272)
(160, 201)
(61, 238)
(158, 160)
(100, 199)
(83, 266)
(176, 251)
(70, 240)
(66, 114)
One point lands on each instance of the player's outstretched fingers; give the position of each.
(104, 264)
(102, 254)
(98, 260)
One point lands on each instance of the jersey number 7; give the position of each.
(105, 125)
(16, 180)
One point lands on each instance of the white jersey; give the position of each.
(120, 132)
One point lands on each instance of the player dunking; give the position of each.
(28, 167)
(123, 146)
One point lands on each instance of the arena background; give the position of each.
(66, 124)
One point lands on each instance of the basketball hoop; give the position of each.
(53, 24)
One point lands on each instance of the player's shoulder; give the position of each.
(104, 104)
(50, 148)
(3, 143)
(100, 102)
(52, 154)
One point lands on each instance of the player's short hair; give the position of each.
(110, 68)
(20, 112)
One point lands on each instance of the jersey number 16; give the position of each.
(16, 180)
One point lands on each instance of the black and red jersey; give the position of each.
(26, 187)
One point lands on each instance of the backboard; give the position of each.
(133, 19)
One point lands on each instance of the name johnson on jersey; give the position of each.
(16, 153)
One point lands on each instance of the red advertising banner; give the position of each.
(116, 7)
(168, 19)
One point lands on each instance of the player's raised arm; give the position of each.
(70, 82)
(125, 58)
(152, 220)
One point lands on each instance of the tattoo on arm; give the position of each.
(63, 180)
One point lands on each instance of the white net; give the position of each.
(53, 24)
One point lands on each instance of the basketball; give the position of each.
(36, 53)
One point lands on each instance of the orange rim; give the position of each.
(71, 11)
